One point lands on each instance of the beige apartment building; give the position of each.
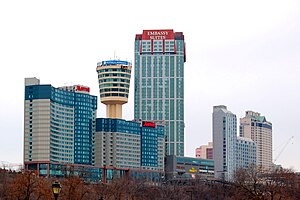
(256, 127)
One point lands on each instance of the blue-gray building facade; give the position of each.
(59, 123)
(246, 152)
(129, 144)
(152, 146)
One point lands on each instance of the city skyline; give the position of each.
(241, 54)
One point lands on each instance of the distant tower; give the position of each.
(229, 151)
(114, 81)
(256, 127)
(224, 142)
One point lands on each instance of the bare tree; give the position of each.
(255, 183)
(73, 188)
(5, 178)
(27, 186)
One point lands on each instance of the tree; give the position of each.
(255, 183)
(27, 186)
(248, 184)
(73, 188)
(5, 178)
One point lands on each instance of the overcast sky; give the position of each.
(242, 54)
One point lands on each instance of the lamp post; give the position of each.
(56, 187)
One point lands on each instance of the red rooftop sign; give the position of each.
(167, 34)
(149, 124)
(81, 88)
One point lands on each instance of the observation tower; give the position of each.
(114, 81)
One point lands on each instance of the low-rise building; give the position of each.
(188, 168)
(205, 151)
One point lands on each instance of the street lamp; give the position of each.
(56, 187)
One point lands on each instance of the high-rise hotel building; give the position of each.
(256, 127)
(159, 83)
(59, 124)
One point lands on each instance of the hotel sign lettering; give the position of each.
(158, 35)
(81, 88)
(115, 62)
(149, 124)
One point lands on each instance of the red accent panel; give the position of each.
(167, 34)
(152, 46)
(138, 36)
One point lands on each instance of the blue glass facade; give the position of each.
(38, 92)
(149, 145)
(117, 125)
(263, 125)
(85, 126)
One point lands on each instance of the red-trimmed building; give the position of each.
(159, 83)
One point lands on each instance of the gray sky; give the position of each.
(242, 54)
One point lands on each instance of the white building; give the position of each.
(229, 151)
(224, 142)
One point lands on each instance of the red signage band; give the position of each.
(149, 124)
(80, 88)
(167, 34)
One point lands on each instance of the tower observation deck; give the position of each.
(114, 81)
